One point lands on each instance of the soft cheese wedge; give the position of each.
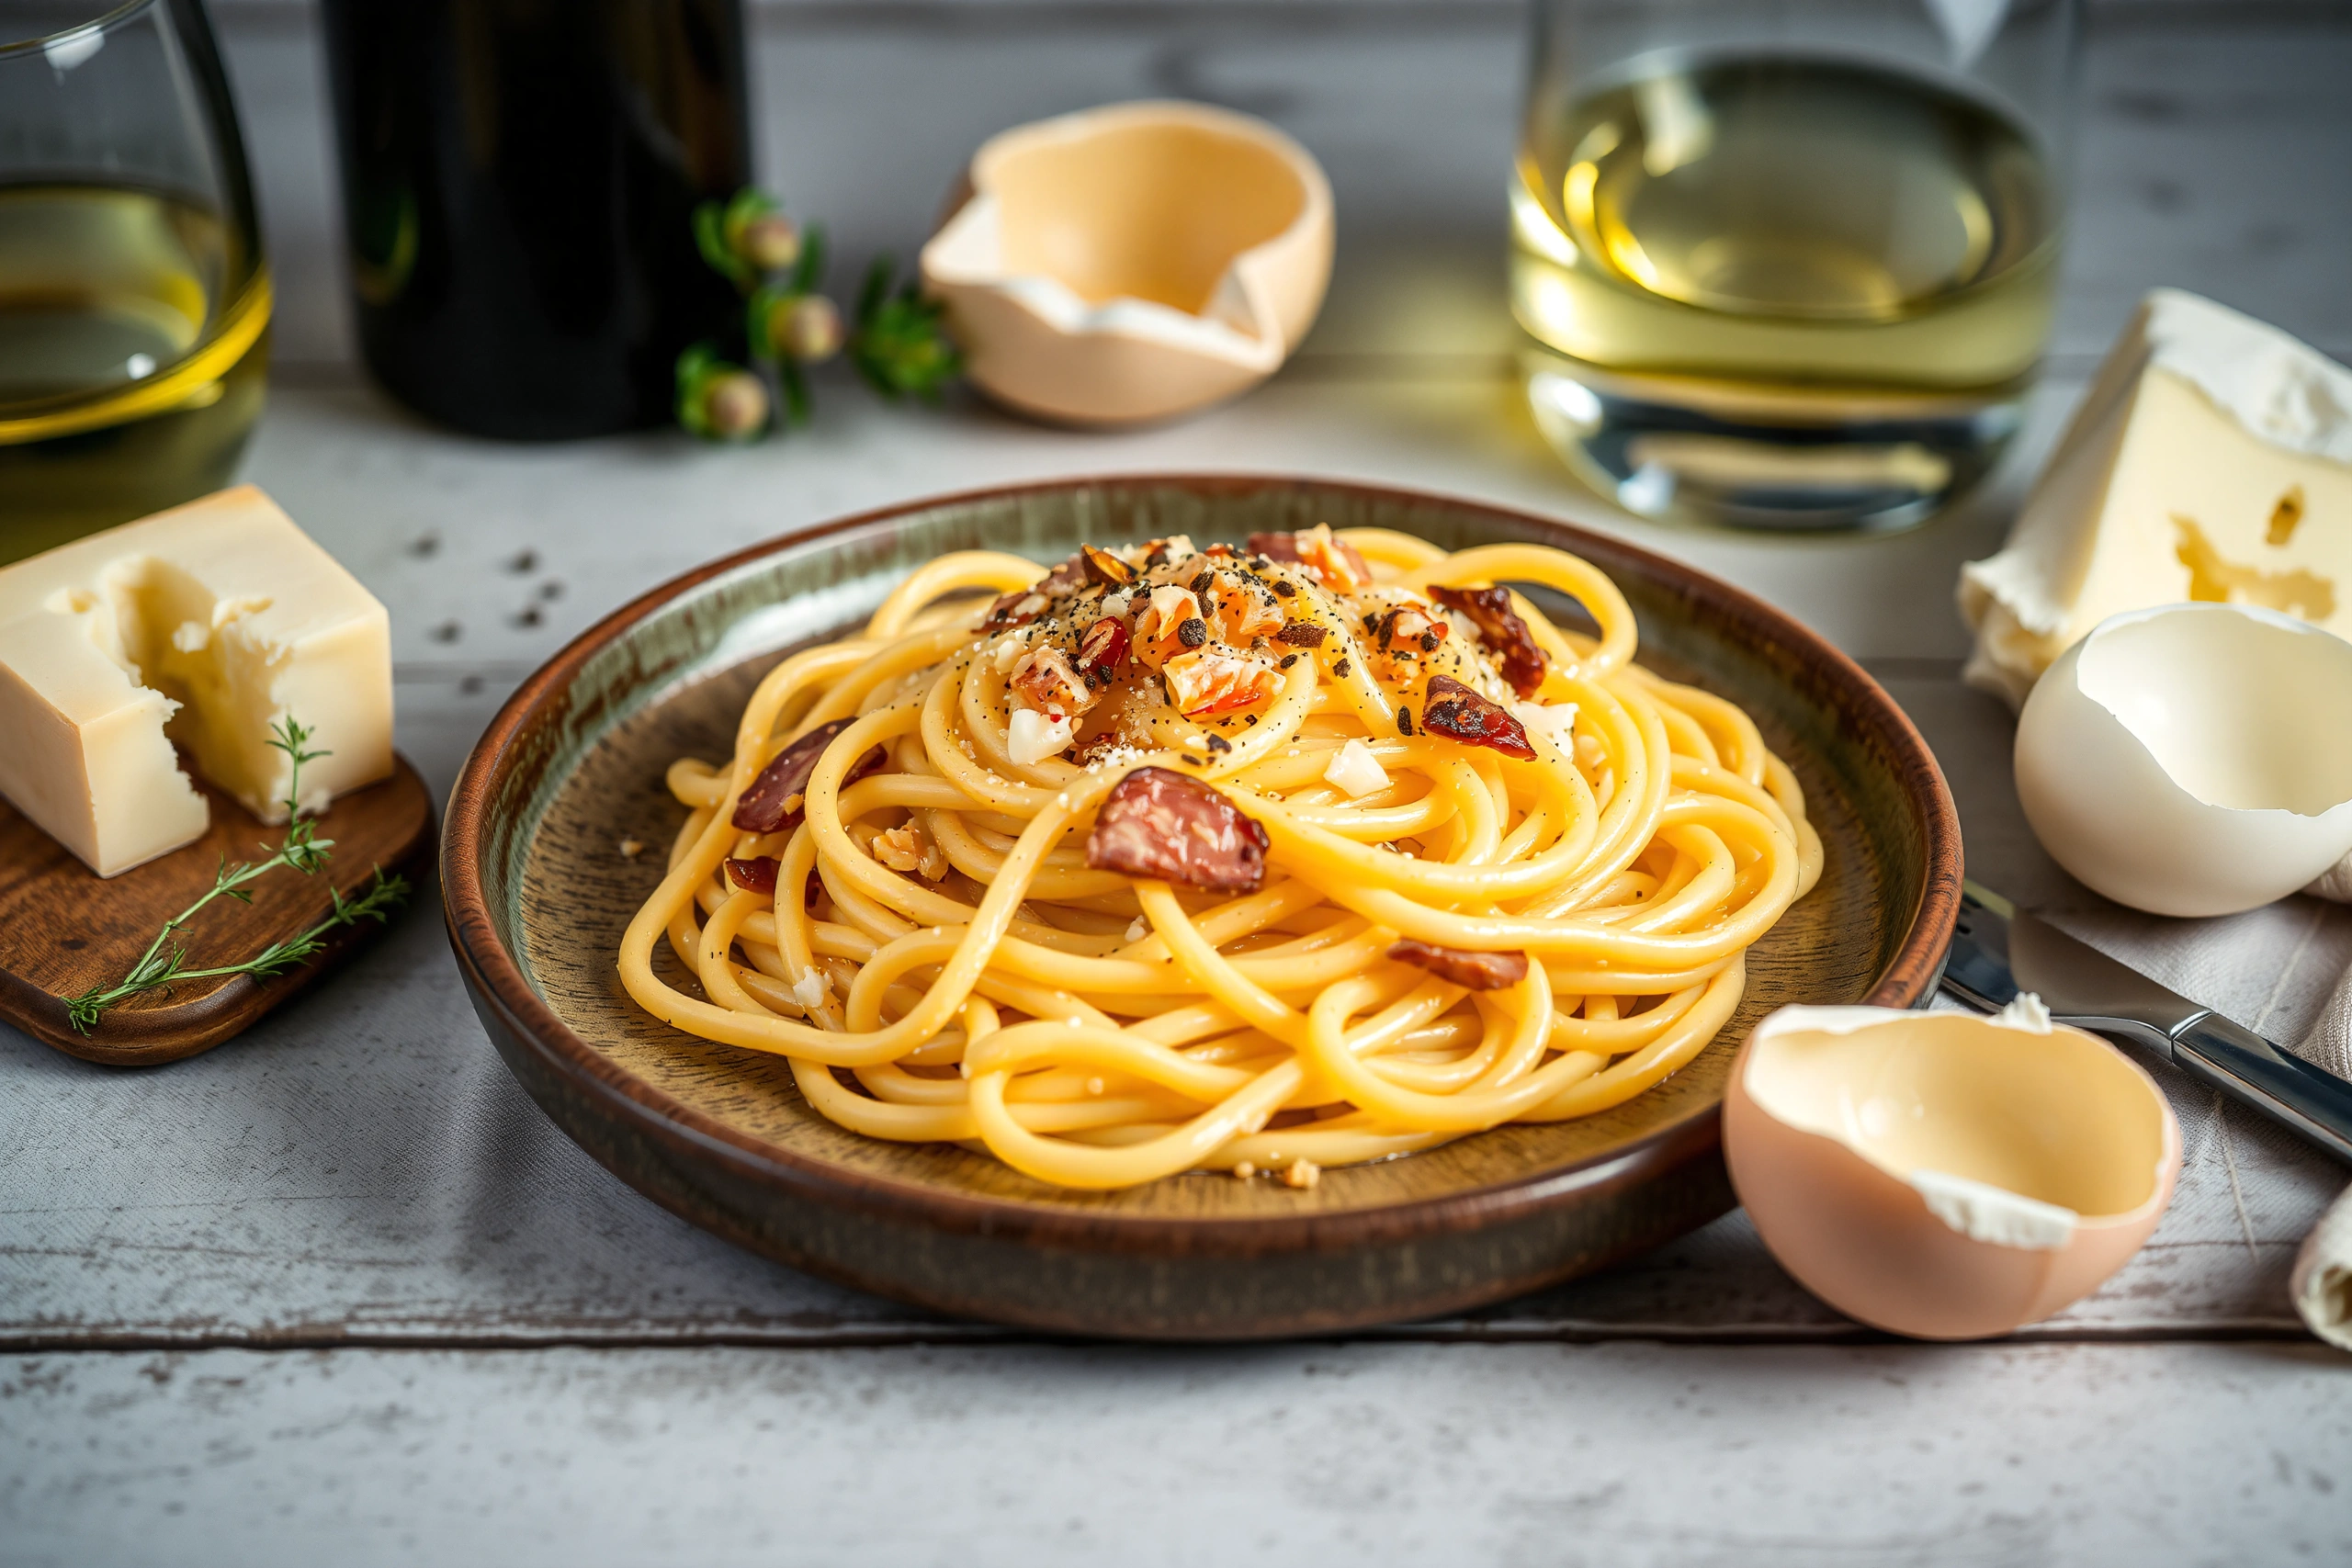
(2211, 460)
(202, 625)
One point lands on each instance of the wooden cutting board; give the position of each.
(64, 928)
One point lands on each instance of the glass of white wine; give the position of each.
(1789, 264)
(134, 301)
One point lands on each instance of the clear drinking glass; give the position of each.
(1789, 264)
(134, 302)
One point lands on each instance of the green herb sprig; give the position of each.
(900, 343)
(165, 963)
(898, 340)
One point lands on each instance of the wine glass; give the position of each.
(134, 299)
(1790, 265)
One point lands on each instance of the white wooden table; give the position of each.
(337, 1291)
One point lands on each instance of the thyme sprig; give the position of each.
(165, 963)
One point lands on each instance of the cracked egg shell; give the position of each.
(1133, 263)
(2193, 758)
(1945, 1176)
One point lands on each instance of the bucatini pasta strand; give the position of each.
(1275, 857)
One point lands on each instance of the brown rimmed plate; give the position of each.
(538, 891)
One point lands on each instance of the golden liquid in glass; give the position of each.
(1784, 244)
(133, 353)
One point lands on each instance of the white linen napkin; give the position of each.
(2284, 971)
(2321, 1283)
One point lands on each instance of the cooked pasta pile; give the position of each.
(1260, 859)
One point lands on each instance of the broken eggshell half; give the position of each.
(1132, 263)
(1941, 1175)
(2192, 759)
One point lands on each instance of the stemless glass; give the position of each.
(134, 302)
(1789, 264)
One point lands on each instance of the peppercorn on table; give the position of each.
(339, 1290)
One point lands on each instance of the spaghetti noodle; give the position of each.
(1268, 858)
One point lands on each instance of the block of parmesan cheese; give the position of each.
(202, 625)
(2210, 459)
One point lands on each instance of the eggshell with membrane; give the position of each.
(1132, 263)
(2192, 759)
(1944, 1176)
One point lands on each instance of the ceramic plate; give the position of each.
(538, 894)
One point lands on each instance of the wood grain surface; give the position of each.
(571, 769)
(360, 1172)
(64, 929)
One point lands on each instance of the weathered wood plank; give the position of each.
(361, 1168)
(1632, 1454)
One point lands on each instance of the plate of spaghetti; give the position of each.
(1185, 906)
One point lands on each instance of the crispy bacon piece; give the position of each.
(1452, 709)
(1339, 563)
(1025, 604)
(1045, 679)
(1017, 608)
(1095, 747)
(1213, 681)
(1410, 626)
(1301, 634)
(1241, 611)
(1170, 827)
(1501, 630)
(773, 801)
(754, 876)
(1102, 651)
(1160, 625)
(1478, 971)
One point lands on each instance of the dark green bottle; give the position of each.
(519, 179)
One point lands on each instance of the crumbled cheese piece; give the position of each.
(1032, 736)
(1138, 929)
(809, 991)
(1354, 769)
(1302, 1173)
(1554, 722)
(632, 848)
(1009, 649)
(1244, 1169)
(2026, 1013)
